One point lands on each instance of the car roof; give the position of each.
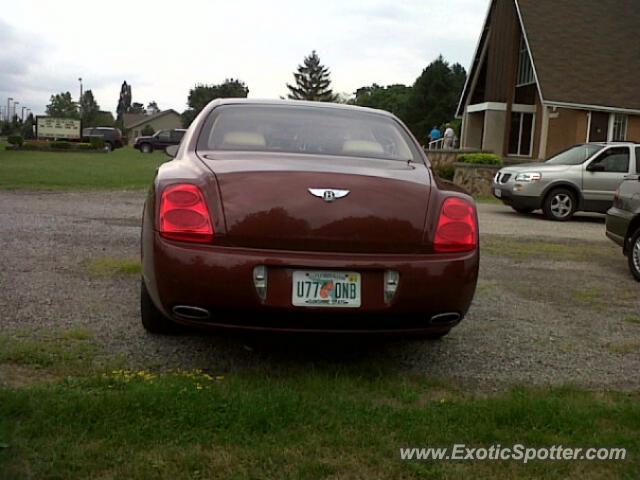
(298, 103)
(606, 144)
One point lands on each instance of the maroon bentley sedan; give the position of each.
(305, 217)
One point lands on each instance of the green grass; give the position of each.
(108, 267)
(635, 319)
(122, 169)
(323, 421)
(519, 248)
(306, 424)
(487, 199)
(59, 351)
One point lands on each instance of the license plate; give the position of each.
(325, 289)
(497, 192)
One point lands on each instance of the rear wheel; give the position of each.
(559, 204)
(523, 209)
(634, 255)
(153, 320)
(146, 148)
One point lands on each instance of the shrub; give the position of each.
(446, 171)
(39, 145)
(15, 140)
(480, 158)
(83, 146)
(97, 143)
(147, 131)
(62, 145)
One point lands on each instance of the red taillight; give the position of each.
(457, 227)
(184, 215)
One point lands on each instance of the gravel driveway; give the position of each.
(555, 303)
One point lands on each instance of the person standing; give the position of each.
(449, 136)
(435, 134)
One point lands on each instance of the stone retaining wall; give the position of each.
(476, 179)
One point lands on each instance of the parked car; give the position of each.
(583, 177)
(305, 217)
(623, 219)
(159, 140)
(112, 136)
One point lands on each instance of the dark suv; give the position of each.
(623, 219)
(159, 140)
(112, 136)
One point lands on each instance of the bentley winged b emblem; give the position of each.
(328, 194)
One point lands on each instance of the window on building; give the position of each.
(619, 127)
(525, 70)
(520, 139)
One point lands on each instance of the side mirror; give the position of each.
(595, 167)
(172, 150)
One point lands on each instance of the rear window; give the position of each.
(306, 130)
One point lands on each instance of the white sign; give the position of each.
(52, 127)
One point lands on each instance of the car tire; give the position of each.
(153, 319)
(634, 255)
(560, 204)
(523, 210)
(108, 147)
(146, 148)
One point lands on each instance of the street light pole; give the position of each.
(22, 116)
(9, 109)
(80, 99)
(15, 113)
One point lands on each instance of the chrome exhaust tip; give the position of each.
(445, 318)
(190, 313)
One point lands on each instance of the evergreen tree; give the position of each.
(312, 81)
(89, 109)
(434, 96)
(124, 102)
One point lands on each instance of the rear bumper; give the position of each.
(617, 225)
(220, 280)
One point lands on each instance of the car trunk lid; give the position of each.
(268, 203)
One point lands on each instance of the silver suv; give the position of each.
(583, 177)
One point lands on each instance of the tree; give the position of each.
(137, 107)
(62, 105)
(124, 102)
(393, 98)
(27, 127)
(201, 95)
(153, 108)
(104, 119)
(89, 109)
(312, 81)
(434, 96)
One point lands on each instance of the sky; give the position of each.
(164, 48)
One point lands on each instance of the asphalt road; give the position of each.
(555, 303)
